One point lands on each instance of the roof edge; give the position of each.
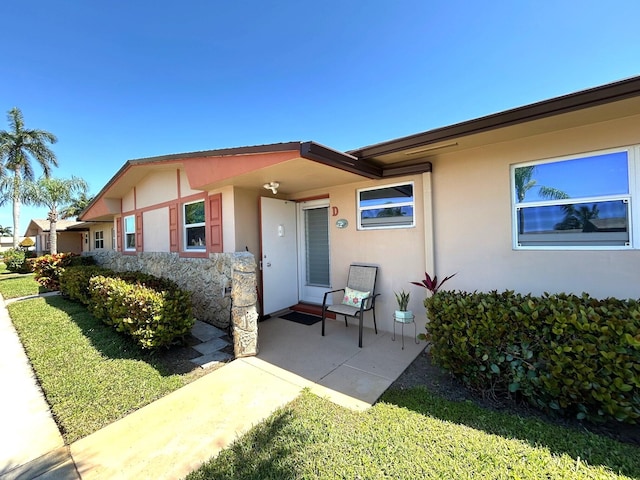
(582, 99)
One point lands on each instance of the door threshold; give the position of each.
(311, 309)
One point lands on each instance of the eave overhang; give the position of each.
(445, 136)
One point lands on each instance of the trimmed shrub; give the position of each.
(49, 267)
(564, 353)
(17, 260)
(154, 318)
(74, 282)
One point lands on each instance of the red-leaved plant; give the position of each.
(432, 284)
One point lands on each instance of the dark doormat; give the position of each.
(303, 318)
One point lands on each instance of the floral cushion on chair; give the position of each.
(353, 298)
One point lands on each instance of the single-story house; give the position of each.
(73, 236)
(533, 199)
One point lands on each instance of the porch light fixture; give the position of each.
(273, 186)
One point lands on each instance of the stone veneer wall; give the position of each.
(206, 279)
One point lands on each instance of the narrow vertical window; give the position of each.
(130, 233)
(194, 226)
(98, 239)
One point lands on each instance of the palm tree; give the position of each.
(51, 193)
(18, 146)
(5, 231)
(523, 182)
(77, 205)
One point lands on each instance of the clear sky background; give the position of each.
(120, 80)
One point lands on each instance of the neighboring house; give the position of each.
(6, 243)
(73, 236)
(464, 198)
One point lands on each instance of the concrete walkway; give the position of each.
(176, 434)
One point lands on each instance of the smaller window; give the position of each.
(194, 226)
(130, 232)
(98, 239)
(391, 206)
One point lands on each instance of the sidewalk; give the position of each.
(30, 442)
(176, 434)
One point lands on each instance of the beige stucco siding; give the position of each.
(156, 188)
(107, 228)
(128, 201)
(185, 188)
(398, 252)
(473, 220)
(247, 223)
(156, 230)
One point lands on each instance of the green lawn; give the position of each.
(91, 375)
(14, 285)
(412, 434)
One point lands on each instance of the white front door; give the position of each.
(313, 250)
(278, 254)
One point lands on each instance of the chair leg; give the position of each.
(324, 313)
(375, 327)
(346, 324)
(360, 333)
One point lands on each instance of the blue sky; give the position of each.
(130, 79)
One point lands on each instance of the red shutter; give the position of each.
(214, 224)
(174, 244)
(139, 237)
(119, 234)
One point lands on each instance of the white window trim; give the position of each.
(125, 233)
(96, 239)
(359, 210)
(633, 157)
(185, 246)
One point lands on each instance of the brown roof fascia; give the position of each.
(592, 97)
(343, 161)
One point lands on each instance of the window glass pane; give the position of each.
(194, 213)
(390, 206)
(195, 238)
(388, 195)
(130, 224)
(583, 177)
(130, 241)
(592, 223)
(380, 217)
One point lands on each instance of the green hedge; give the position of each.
(48, 268)
(154, 311)
(18, 260)
(572, 354)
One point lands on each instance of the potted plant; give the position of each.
(402, 298)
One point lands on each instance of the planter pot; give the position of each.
(400, 315)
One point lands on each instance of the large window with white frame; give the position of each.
(578, 202)
(389, 206)
(129, 232)
(194, 226)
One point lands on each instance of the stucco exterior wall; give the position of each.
(128, 201)
(107, 228)
(156, 230)
(398, 252)
(473, 222)
(157, 188)
(247, 222)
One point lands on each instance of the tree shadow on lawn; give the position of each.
(581, 445)
(256, 455)
(112, 344)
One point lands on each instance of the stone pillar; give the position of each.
(244, 312)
